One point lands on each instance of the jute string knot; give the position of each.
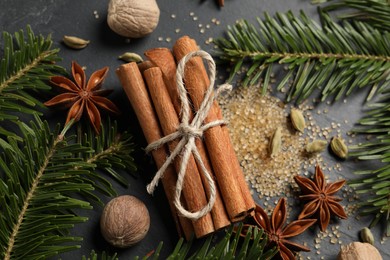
(187, 132)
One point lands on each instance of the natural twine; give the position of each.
(187, 132)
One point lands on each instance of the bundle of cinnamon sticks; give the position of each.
(153, 94)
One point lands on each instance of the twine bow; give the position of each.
(187, 132)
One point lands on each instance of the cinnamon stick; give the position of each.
(240, 177)
(239, 174)
(193, 190)
(134, 86)
(163, 58)
(235, 193)
(142, 66)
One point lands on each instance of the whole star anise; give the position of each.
(278, 234)
(320, 196)
(83, 97)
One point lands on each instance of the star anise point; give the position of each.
(83, 97)
(320, 200)
(279, 233)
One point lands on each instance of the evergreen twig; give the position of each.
(112, 150)
(375, 182)
(27, 64)
(231, 246)
(40, 178)
(374, 12)
(337, 59)
(102, 256)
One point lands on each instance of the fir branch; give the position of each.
(103, 256)
(231, 246)
(375, 183)
(39, 181)
(27, 64)
(30, 194)
(334, 58)
(374, 12)
(112, 150)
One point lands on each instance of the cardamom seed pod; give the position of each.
(366, 236)
(339, 148)
(75, 42)
(130, 57)
(316, 146)
(276, 141)
(297, 119)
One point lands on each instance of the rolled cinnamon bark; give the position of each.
(240, 177)
(134, 86)
(193, 190)
(163, 58)
(235, 193)
(142, 66)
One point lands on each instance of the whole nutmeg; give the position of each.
(359, 251)
(133, 18)
(125, 221)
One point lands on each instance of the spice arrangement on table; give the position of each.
(161, 129)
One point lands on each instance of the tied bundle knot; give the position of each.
(190, 131)
(187, 132)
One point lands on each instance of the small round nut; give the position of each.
(133, 18)
(125, 221)
(359, 251)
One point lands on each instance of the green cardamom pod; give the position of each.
(75, 42)
(276, 142)
(366, 236)
(339, 148)
(297, 120)
(130, 57)
(316, 146)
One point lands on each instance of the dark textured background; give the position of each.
(77, 18)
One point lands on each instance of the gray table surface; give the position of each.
(79, 18)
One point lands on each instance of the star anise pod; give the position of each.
(278, 233)
(321, 203)
(82, 96)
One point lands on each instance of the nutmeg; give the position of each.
(133, 18)
(359, 251)
(125, 221)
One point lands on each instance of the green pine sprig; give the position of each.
(112, 150)
(374, 12)
(335, 59)
(231, 246)
(40, 180)
(102, 256)
(375, 183)
(28, 62)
